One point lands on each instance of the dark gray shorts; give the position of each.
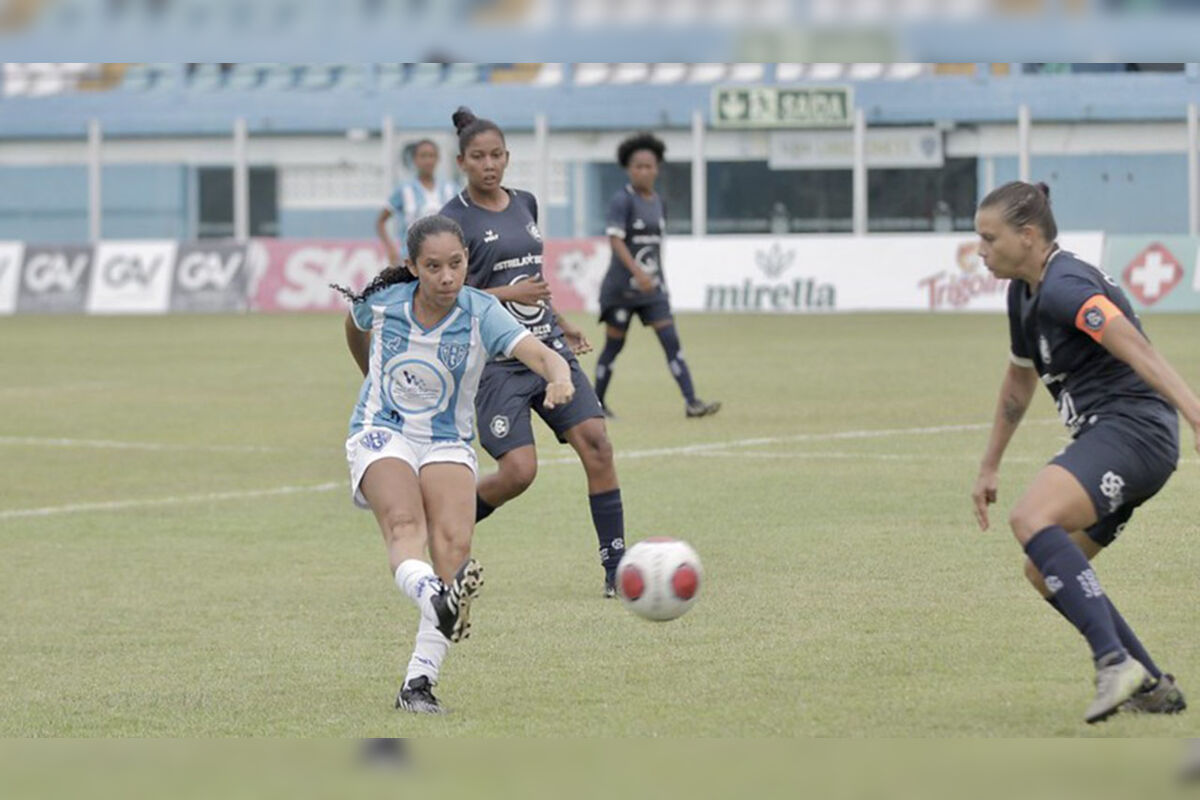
(619, 314)
(507, 393)
(1121, 463)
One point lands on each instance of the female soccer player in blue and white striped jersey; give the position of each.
(421, 339)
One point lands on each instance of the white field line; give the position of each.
(711, 448)
(106, 444)
(792, 439)
(121, 505)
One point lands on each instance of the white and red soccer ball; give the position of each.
(659, 578)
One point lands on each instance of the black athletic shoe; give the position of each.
(1157, 697)
(453, 603)
(610, 585)
(608, 412)
(417, 697)
(699, 408)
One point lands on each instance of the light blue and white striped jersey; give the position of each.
(411, 200)
(422, 383)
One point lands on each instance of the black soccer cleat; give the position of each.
(1157, 697)
(608, 412)
(610, 585)
(417, 696)
(699, 408)
(453, 604)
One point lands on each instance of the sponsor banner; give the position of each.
(886, 148)
(1156, 273)
(12, 255)
(574, 268)
(294, 274)
(54, 278)
(132, 277)
(211, 277)
(803, 274)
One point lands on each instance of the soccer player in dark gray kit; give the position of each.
(505, 259)
(1072, 328)
(635, 283)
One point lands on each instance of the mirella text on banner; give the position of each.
(803, 274)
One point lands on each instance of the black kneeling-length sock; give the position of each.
(483, 509)
(612, 347)
(1129, 639)
(669, 338)
(1074, 586)
(608, 515)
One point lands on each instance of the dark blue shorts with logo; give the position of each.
(508, 390)
(617, 308)
(1121, 462)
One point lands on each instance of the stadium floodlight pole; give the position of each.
(699, 177)
(95, 196)
(1023, 131)
(388, 136)
(241, 183)
(860, 172)
(541, 146)
(1193, 141)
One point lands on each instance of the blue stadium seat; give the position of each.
(458, 74)
(206, 77)
(246, 76)
(318, 77)
(389, 76)
(425, 73)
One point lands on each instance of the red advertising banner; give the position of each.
(294, 274)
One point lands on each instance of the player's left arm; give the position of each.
(576, 339)
(1104, 322)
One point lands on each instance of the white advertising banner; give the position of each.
(12, 255)
(802, 274)
(885, 147)
(132, 277)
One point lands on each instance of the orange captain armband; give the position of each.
(1095, 314)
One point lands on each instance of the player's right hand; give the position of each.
(984, 494)
(531, 292)
(558, 393)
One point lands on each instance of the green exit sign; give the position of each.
(777, 107)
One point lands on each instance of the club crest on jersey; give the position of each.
(499, 426)
(452, 354)
(1093, 318)
(375, 440)
(532, 230)
(490, 236)
(1044, 349)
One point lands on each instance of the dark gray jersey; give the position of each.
(641, 223)
(505, 247)
(1057, 331)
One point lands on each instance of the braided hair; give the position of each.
(418, 232)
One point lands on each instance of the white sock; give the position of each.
(416, 579)
(429, 652)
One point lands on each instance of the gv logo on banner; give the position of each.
(208, 270)
(55, 272)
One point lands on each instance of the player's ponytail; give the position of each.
(1024, 204)
(468, 126)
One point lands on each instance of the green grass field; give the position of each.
(179, 555)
